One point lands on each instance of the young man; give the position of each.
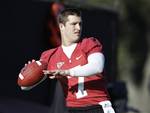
(78, 65)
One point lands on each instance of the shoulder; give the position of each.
(47, 53)
(90, 43)
(90, 40)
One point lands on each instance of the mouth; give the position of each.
(77, 33)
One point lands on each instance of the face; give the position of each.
(71, 31)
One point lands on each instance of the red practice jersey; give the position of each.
(79, 91)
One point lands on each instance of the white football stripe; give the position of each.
(21, 76)
(39, 63)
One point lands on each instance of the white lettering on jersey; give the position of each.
(81, 92)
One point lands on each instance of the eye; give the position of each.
(80, 23)
(73, 23)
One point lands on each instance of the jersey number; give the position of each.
(81, 92)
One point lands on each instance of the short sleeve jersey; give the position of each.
(78, 91)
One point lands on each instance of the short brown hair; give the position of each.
(62, 17)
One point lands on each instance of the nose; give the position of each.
(78, 26)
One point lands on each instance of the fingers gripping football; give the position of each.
(31, 73)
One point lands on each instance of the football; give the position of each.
(32, 73)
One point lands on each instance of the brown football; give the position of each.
(31, 74)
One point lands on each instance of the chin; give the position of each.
(76, 39)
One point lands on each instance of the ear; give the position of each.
(61, 26)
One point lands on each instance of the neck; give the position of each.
(67, 43)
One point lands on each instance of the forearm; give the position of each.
(95, 65)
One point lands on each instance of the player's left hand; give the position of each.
(56, 73)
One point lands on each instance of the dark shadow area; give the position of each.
(9, 105)
(22, 25)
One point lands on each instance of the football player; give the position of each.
(78, 64)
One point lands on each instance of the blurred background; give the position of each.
(123, 26)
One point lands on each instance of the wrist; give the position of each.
(67, 72)
(71, 72)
